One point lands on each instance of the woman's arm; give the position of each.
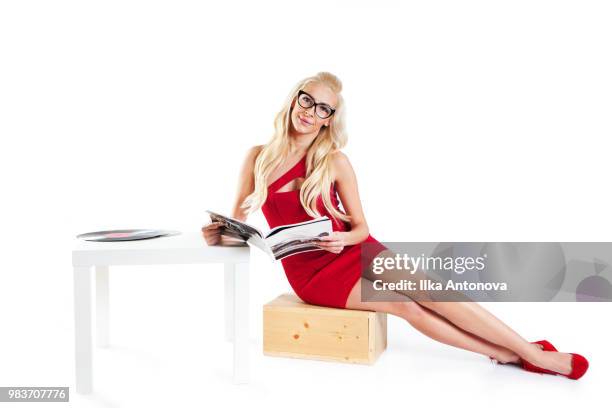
(346, 184)
(246, 182)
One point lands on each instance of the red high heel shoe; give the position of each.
(579, 366)
(547, 346)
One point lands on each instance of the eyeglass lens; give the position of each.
(323, 111)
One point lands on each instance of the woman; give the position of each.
(299, 175)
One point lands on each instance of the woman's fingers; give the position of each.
(212, 226)
(331, 246)
(212, 233)
(328, 244)
(331, 237)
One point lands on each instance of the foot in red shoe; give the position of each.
(579, 366)
(546, 345)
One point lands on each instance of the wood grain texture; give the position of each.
(296, 329)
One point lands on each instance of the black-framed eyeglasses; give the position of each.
(322, 110)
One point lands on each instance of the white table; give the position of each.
(186, 248)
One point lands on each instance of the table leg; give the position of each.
(241, 323)
(102, 306)
(83, 329)
(230, 271)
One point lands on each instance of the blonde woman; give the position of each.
(300, 174)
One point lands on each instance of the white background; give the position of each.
(467, 121)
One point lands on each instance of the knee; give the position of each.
(410, 311)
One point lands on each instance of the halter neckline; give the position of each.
(287, 173)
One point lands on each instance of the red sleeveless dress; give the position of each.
(317, 277)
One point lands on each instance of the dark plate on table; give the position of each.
(125, 235)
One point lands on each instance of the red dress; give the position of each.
(317, 277)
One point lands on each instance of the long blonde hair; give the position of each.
(318, 166)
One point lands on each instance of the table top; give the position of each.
(184, 248)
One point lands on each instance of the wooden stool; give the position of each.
(292, 328)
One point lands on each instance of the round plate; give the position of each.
(124, 235)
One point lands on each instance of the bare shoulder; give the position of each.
(251, 155)
(254, 151)
(248, 162)
(341, 166)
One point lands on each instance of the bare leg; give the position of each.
(429, 323)
(473, 318)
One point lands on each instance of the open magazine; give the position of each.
(281, 241)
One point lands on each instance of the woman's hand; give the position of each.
(212, 233)
(335, 242)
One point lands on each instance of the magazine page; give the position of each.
(292, 239)
(235, 228)
(261, 244)
(280, 228)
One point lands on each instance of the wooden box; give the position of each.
(292, 328)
